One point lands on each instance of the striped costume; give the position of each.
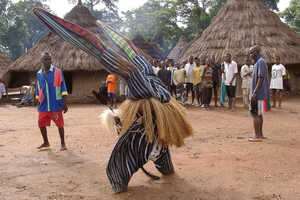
(136, 145)
(131, 152)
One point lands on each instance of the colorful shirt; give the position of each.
(111, 82)
(208, 80)
(49, 90)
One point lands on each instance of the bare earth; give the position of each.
(217, 163)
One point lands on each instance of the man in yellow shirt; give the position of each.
(197, 77)
(179, 81)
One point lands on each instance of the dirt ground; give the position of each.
(217, 163)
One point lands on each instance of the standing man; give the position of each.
(189, 78)
(111, 82)
(231, 72)
(246, 75)
(155, 66)
(259, 92)
(278, 72)
(165, 75)
(223, 87)
(208, 83)
(51, 93)
(215, 76)
(197, 76)
(179, 80)
(172, 68)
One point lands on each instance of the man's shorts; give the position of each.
(230, 91)
(257, 107)
(46, 117)
(215, 85)
(189, 86)
(111, 94)
(276, 90)
(198, 87)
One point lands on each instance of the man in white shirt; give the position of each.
(246, 75)
(231, 72)
(278, 72)
(189, 78)
(155, 66)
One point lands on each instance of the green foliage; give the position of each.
(20, 30)
(166, 20)
(272, 4)
(291, 15)
(162, 21)
(156, 21)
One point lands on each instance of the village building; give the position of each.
(4, 62)
(82, 72)
(241, 24)
(177, 51)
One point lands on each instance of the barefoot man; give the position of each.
(259, 92)
(51, 92)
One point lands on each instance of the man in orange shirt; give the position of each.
(111, 82)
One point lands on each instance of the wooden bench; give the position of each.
(14, 95)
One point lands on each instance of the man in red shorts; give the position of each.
(51, 92)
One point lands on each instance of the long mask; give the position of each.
(123, 58)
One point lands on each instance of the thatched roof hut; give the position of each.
(178, 49)
(66, 56)
(148, 47)
(82, 71)
(242, 23)
(4, 62)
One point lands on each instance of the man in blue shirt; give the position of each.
(51, 92)
(259, 92)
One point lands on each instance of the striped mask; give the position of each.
(121, 58)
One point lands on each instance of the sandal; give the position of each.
(43, 146)
(254, 139)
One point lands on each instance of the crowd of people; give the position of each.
(202, 77)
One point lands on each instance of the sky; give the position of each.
(61, 7)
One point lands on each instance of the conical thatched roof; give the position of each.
(242, 23)
(147, 47)
(4, 62)
(64, 55)
(178, 49)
